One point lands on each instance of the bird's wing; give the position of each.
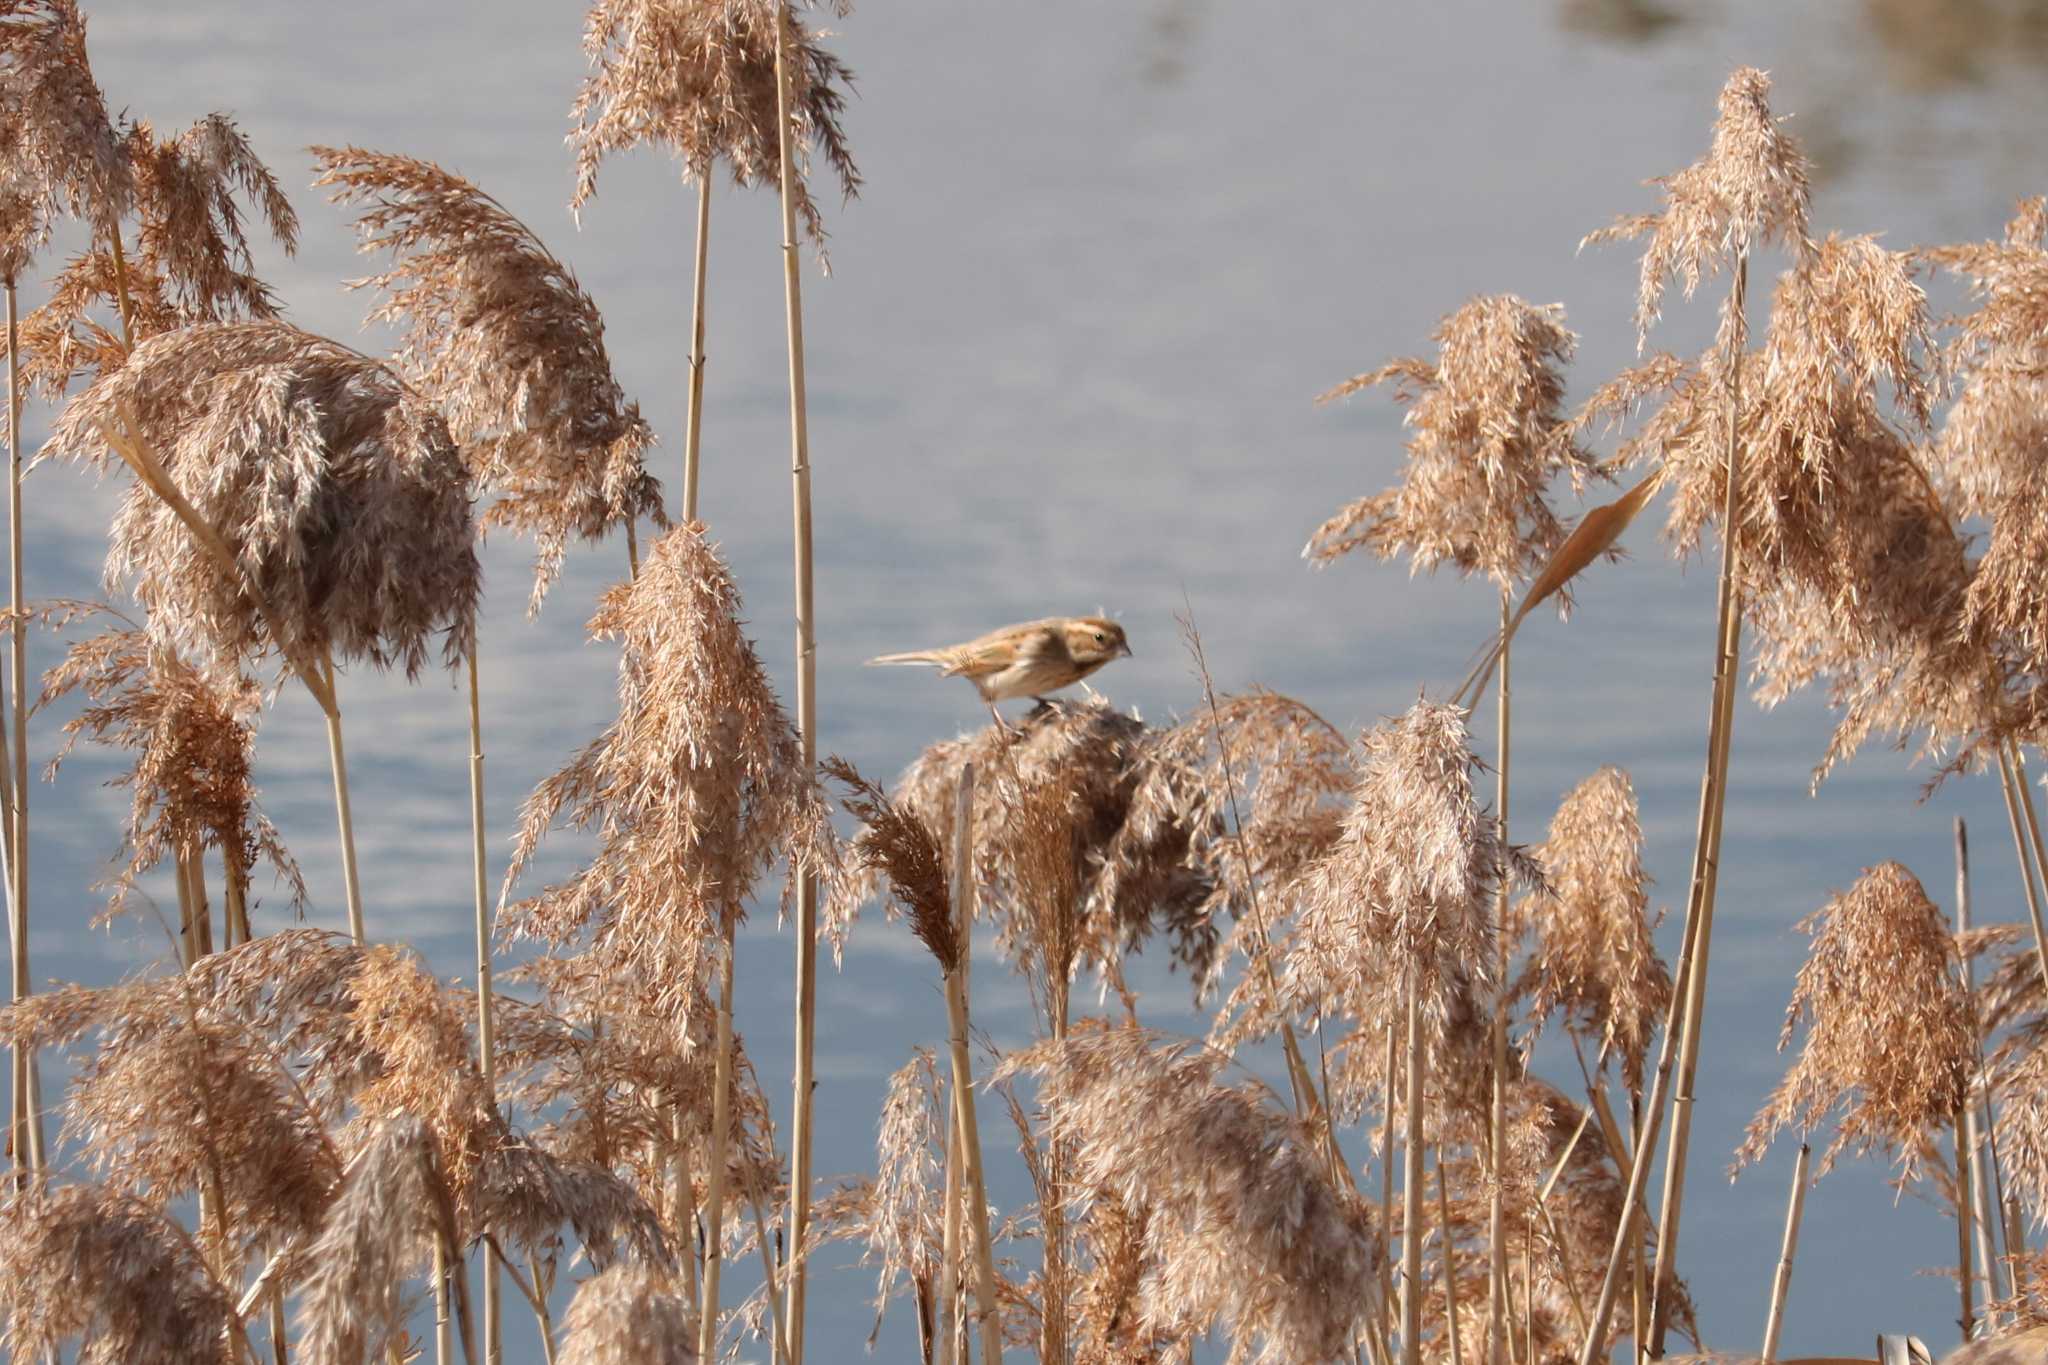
(1033, 642)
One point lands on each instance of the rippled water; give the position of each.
(1105, 256)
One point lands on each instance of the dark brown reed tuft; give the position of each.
(191, 262)
(194, 737)
(694, 792)
(1890, 1044)
(699, 76)
(1243, 1228)
(118, 1275)
(498, 331)
(631, 1314)
(1073, 864)
(336, 486)
(899, 845)
(1490, 435)
(1593, 961)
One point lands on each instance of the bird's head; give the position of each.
(1095, 640)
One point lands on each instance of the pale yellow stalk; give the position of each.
(1782, 1280)
(806, 691)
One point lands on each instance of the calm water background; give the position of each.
(1105, 257)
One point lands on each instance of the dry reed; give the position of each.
(498, 331)
(1244, 1230)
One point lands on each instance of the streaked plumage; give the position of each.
(1026, 660)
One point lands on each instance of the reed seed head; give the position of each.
(498, 331)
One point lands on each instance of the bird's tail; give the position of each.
(916, 656)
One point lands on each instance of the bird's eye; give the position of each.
(1099, 638)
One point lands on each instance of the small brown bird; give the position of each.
(1026, 660)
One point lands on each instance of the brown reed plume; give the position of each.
(1592, 959)
(694, 792)
(336, 487)
(333, 517)
(1489, 438)
(62, 151)
(700, 76)
(1244, 1229)
(194, 736)
(1750, 189)
(498, 331)
(192, 196)
(1396, 923)
(1889, 1046)
(630, 1314)
(86, 1263)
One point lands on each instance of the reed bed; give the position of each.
(284, 1143)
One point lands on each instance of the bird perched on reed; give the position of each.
(1026, 660)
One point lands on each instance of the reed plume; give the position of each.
(1490, 438)
(192, 195)
(336, 487)
(193, 734)
(119, 1276)
(1244, 1230)
(1592, 960)
(630, 1314)
(700, 77)
(904, 1234)
(694, 792)
(1891, 1040)
(500, 334)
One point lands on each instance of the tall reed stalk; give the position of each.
(987, 1310)
(1411, 1177)
(1781, 1280)
(1496, 1143)
(695, 420)
(26, 1127)
(1689, 981)
(714, 1178)
(806, 697)
(486, 1026)
(1977, 1115)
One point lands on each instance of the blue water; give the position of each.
(1105, 257)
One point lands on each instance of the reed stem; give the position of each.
(1443, 1223)
(1497, 1269)
(27, 1120)
(338, 760)
(1781, 1281)
(1965, 1206)
(949, 1238)
(1386, 1304)
(987, 1309)
(695, 420)
(1689, 980)
(806, 685)
(1411, 1179)
(2008, 784)
(486, 1027)
(714, 1181)
(1974, 1118)
(1707, 857)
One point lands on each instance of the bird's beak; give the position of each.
(1127, 650)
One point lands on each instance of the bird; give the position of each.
(1028, 659)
